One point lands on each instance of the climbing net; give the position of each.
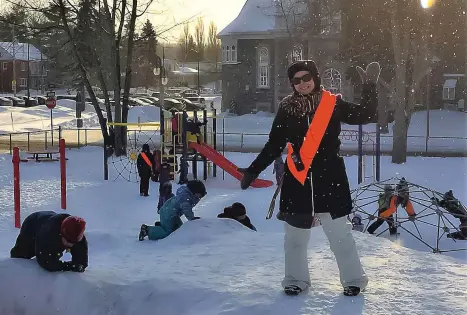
(125, 165)
(433, 224)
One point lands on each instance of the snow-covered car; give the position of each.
(5, 101)
(17, 102)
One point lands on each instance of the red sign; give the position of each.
(51, 103)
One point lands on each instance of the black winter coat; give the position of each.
(40, 235)
(144, 170)
(330, 182)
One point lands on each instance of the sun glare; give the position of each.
(427, 3)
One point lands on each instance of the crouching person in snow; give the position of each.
(315, 182)
(237, 212)
(182, 204)
(46, 234)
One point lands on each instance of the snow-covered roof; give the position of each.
(264, 16)
(20, 51)
(256, 16)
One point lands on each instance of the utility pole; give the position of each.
(13, 83)
(28, 79)
(465, 54)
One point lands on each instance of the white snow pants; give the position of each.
(342, 244)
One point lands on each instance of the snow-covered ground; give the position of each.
(216, 266)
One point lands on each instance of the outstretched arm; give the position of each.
(359, 114)
(275, 145)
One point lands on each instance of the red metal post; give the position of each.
(16, 161)
(63, 173)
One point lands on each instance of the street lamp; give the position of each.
(160, 71)
(427, 4)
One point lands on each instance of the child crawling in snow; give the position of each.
(237, 212)
(170, 213)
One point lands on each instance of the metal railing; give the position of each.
(79, 137)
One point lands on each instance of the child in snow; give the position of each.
(237, 212)
(144, 166)
(357, 224)
(165, 193)
(454, 207)
(194, 126)
(156, 165)
(46, 235)
(279, 168)
(182, 204)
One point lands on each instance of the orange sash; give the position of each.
(146, 159)
(313, 137)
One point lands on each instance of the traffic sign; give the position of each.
(51, 94)
(51, 103)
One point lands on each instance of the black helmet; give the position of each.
(197, 187)
(145, 147)
(305, 65)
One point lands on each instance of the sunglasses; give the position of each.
(305, 78)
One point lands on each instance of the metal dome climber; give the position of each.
(434, 223)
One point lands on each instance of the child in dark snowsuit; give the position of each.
(279, 168)
(144, 165)
(194, 126)
(46, 235)
(455, 208)
(237, 212)
(182, 204)
(156, 165)
(165, 193)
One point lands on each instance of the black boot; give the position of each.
(292, 290)
(143, 232)
(351, 291)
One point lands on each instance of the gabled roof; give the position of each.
(263, 16)
(256, 16)
(20, 51)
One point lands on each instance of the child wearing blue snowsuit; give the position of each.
(172, 210)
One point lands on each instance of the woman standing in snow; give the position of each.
(315, 181)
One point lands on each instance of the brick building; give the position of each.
(20, 54)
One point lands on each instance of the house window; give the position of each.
(5, 66)
(223, 54)
(233, 56)
(449, 90)
(23, 82)
(227, 54)
(332, 81)
(263, 68)
(297, 53)
(23, 66)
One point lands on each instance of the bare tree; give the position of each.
(183, 42)
(200, 36)
(412, 63)
(213, 44)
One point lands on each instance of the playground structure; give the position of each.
(16, 160)
(203, 147)
(430, 213)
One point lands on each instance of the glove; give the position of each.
(69, 266)
(412, 218)
(247, 178)
(196, 218)
(371, 75)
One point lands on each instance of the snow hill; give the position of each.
(213, 266)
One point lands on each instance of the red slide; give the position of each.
(225, 164)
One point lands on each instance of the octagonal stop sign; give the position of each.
(51, 103)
